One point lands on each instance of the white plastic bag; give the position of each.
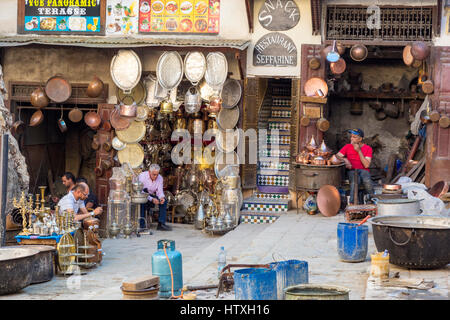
(430, 205)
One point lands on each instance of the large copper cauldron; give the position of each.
(313, 177)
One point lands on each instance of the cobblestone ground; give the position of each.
(292, 236)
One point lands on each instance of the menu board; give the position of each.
(122, 17)
(179, 16)
(61, 17)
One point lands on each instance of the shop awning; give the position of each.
(122, 42)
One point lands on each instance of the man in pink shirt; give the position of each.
(357, 156)
(153, 184)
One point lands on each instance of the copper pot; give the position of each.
(128, 110)
(358, 52)
(316, 87)
(95, 87)
(75, 115)
(118, 122)
(215, 104)
(107, 146)
(319, 161)
(92, 120)
(323, 124)
(36, 118)
(39, 99)
(428, 87)
(420, 50)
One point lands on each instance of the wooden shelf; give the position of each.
(319, 100)
(379, 95)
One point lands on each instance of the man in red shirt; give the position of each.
(357, 156)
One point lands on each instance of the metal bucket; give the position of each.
(316, 292)
(289, 273)
(255, 284)
(352, 242)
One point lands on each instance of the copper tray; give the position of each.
(338, 67)
(408, 59)
(118, 122)
(328, 200)
(134, 133)
(313, 85)
(58, 89)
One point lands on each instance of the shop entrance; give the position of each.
(381, 96)
(49, 152)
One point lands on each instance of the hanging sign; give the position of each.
(275, 50)
(279, 15)
(60, 16)
(179, 16)
(122, 17)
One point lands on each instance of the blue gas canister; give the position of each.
(161, 268)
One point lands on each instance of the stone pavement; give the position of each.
(292, 236)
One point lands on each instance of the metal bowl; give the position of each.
(16, 268)
(231, 93)
(194, 66)
(169, 70)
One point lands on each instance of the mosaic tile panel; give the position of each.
(277, 139)
(277, 196)
(266, 207)
(279, 126)
(275, 153)
(273, 165)
(257, 219)
(281, 113)
(281, 181)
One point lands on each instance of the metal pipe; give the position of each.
(4, 187)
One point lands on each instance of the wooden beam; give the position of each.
(249, 5)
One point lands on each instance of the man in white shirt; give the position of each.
(74, 202)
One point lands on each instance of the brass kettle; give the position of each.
(166, 107)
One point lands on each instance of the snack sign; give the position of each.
(62, 16)
(179, 16)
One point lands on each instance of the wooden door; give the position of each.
(254, 91)
(305, 133)
(102, 182)
(438, 139)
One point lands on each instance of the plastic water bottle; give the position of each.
(222, 261)
(385, 253)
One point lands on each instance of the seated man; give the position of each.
(74, 202)
(68, 180)
(357, 156)
(91, 201)
(153, 184)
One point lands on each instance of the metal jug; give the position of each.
(192, 100)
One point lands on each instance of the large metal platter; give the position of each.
(126, 69)
(216, 69)
(169, 70)
(228, 118)
(133, 154)
(117, 144)
(133, 134)
(226, 163)
(228, 140)
(194, 66)
(137, 95)
(231, 93)
(328, 200)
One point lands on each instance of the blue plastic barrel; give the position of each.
(289, 273)
(255, 284)
(160, 268)
(352, 242)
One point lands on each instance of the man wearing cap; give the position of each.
(357, 156)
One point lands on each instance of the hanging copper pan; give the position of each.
(118, 122)
(58, 89)
(95, 87)
(18, 126)
(420, 50)
(358, 52)
(408, 59)
(75, 115)
(340, 48)
(316, 87)
(338, 67)
(314, 63)
(38, 98)
(36, 118)
(92, 120)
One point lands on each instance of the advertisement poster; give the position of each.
(179, 16)
(54, 16)
(122, 17)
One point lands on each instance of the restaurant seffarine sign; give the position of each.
(61, 16)
(275, 50)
